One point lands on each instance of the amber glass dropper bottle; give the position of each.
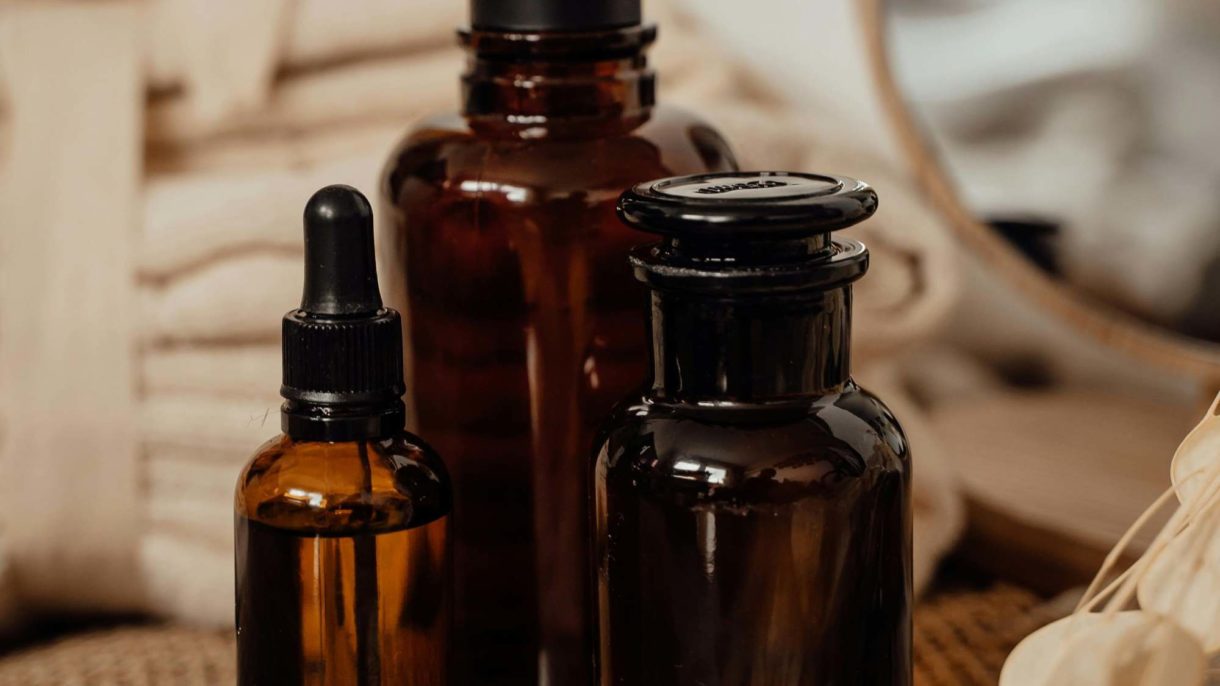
(342, 521)
(504, 254)
(752, 514)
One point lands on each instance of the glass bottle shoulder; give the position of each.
(744, 453)
(449, 152)
(344, 488)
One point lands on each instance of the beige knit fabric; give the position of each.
(127, 656)
(170, 284)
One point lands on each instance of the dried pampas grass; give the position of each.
(1158, 622)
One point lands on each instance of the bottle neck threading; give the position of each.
(340, 423)
(708, 349)
(539, 81)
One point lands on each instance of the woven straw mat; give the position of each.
(961, 639)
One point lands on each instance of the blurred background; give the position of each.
(1041, 310)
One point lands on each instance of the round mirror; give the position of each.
(1083, 135)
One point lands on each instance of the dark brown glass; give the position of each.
(751, 505)
(341, 564)
(504, 254)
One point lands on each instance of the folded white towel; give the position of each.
(208, 521)
(229, 371)
(204, 428)
(914, 279)
(387, 88)
(680, 49)
(193, 498)
(227, 51)
(325, 30)
(190, 219)
(310, 31)
(279, 150)
(240, 299)
(188, 579)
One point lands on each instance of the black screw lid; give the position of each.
(553, 15)
(748, 231)
(342, 348)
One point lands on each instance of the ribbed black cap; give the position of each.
(342, 348)
(748, 231)
(553, 15)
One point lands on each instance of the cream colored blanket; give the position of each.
(151, 182)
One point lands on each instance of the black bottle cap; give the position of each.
(553, 15)
(342, 348)
(748, 231)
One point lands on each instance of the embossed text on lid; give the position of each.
(748, 186)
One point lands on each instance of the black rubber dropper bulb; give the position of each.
(340, 270)
(342, 348)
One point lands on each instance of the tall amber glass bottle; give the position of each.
(504, 253)
(751, 502)
(342, 573)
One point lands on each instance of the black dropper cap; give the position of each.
(553, 15)
(743, 232)
(342, 349)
